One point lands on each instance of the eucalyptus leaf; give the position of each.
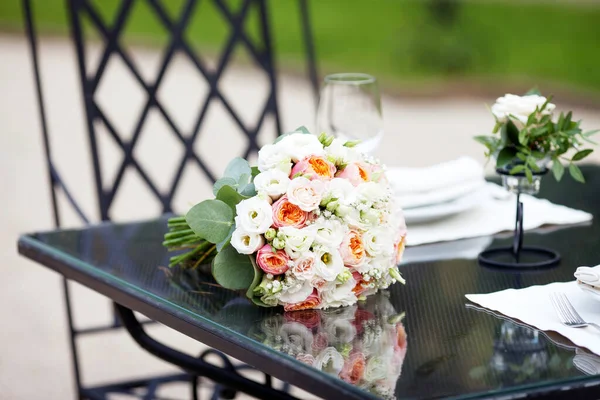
(226, 181)
(576, 173)
(258, 275)
(230, 196)
(580, 155)
(302, 129)
(558, 170)
(232, 270)
(533, 91)
(227, 240)
(211, 220)
(237, 168)
(248, 190)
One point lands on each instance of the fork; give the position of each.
(567, 314)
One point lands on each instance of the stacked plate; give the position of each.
(588, 280)
(439, 191)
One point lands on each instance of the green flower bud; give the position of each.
(278, 243)
(270, 234)
(351, 143)
(332, 206)
(344, 276)
(394, 273)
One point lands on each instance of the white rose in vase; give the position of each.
(519, 107)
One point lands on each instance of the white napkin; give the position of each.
(590, 276)
(416, 187)
(460, 249)
(532, 306)
(495, 215)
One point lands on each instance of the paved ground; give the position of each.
(33, 341)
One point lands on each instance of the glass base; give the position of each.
(520, 184)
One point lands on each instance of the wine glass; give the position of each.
(350, 109)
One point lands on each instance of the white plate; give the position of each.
(436, 212)
(593, 292)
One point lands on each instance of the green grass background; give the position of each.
(398, 40)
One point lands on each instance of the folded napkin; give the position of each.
(493, 215)
(587, 363)
(589, 276)
(415, 187)
(532, 306)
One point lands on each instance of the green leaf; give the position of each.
(522, 136)
(258, 275)
(517, 169)
(232, 270)
(247, 190)
(529, 175)
(580, 155)
(561, 120)
(237, 168)
(505, 156)
(590, 133)
(509, 133)
(558, 170)
(496, 127)
(229, 196)
(576, 173)
(211, 220)
(227, 240)
(533, 165)
(533, 91)
(255, 171)
(226, 181)
(302, 129)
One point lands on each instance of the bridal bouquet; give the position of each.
(364, 345)
(314, 225)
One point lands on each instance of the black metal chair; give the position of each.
(262, 56)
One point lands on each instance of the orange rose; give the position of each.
(353, 249)
(288, 214)
(272, 263)
(399, 248)
(311, 302)
(314, 167)
(356, 173)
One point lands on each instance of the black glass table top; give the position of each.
(417, 341)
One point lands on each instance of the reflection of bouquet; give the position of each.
(315, 225)
(364, 344)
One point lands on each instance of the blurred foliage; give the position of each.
(402, 41)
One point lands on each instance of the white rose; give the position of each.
(246, 243)
(340, 153)
(520, 107)
(305, 194)
(379, 241)
(328, 264)
(341, 190)
(330, 361)
(340, 330)
(274, 156)
(340, 295)
(358, 219)
(297, 241)
(300, 145)
(254, 215)
(273, 182)
(329, 233)
(296, 293)
(371, 192)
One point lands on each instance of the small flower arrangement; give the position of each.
(313, 226)
(527, 136)
(364, 345)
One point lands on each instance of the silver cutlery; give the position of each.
(567, 314)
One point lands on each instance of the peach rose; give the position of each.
(353, 249)
(361, 285)
(272, 263)
(356, 173)
(312, 301)
(304, 266)
(288, 214)
(399, 248)
(400, 343)
(354, 368)
(314, 167)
